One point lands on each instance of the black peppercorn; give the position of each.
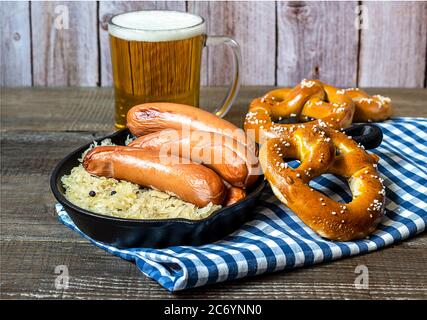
(113, 193)
(92, 193)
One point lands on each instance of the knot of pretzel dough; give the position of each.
(325, 150)
(312, 99)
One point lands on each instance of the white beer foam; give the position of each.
(156, 25)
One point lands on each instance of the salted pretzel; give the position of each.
(369, 108)
(312, 99)
(324, 150)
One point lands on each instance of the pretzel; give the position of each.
(325, 150)
(312, 99)
(369, 108)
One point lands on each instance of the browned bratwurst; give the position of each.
(190, 182)
(226, 156)
(234, 195)
(156, 116)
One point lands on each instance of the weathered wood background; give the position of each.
(282, 42)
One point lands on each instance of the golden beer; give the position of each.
(156, 57)
(155, 71)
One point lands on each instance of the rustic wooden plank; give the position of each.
(255, 32)
(64, 109)
(28, 272)
(393, 47)
(65, 43)
(91, 109)
(314, 40)
(317, 40)
(15, 67)
(107, 9)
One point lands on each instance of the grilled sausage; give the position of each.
(190, 182)
(234, 195)
(227, 157)
(156, 116)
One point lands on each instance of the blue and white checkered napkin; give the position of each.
(277, 239)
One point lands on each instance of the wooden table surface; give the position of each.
(40, 126)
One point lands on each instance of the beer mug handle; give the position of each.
(226, 104)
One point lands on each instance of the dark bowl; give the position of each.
(127, 233)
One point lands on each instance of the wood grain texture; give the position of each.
(107, 9)
(317, 40)
(393, 47)
(252, 25)
(65, 109)
(15, 67)
(33, 242)
(314, 40)
(64, 56)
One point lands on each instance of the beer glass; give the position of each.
(156, 57)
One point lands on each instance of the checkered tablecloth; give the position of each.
(277, 239)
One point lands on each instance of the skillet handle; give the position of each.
(368, 135)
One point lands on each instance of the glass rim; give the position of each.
(110, 21)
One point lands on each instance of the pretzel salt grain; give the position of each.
(369, 108)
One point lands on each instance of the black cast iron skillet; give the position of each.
(368, 135)
(132, 233)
